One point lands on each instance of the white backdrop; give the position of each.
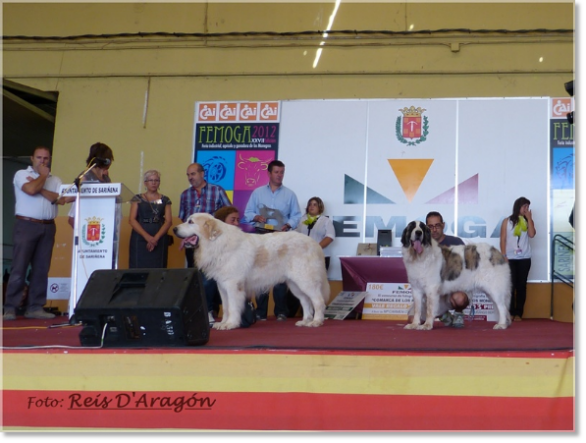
(482, 154)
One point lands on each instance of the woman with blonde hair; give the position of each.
(150, 218)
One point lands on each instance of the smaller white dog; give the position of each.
(244, 264)
(434, 270)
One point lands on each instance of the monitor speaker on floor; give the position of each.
(143, 308)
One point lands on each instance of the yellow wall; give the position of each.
(104, 81)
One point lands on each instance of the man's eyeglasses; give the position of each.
(436, 227)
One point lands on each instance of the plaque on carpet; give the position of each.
(344, 303)
(387, 301)
(481, 308)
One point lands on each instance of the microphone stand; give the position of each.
(76, 245)
(75, 182)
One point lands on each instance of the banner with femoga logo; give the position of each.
(235, 142)
(379, 164)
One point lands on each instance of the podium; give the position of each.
(96, 232)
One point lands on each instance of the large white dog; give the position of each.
(434, 271)
(245, 264)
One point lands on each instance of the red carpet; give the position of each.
(346, 335)
(351, 375)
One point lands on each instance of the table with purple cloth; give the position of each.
(358, 271)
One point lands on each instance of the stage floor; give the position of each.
(347, 335)
(351, 375)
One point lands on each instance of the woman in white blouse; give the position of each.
(318, 226)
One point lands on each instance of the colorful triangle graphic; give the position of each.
(467, 193)
(354, 193)
(410, 174)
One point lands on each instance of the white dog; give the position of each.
(244, 264)
(435, 270)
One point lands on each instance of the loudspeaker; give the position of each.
(384, 238)
(143, 308)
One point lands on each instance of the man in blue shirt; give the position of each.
(273, 207)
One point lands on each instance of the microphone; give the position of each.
(102, 161)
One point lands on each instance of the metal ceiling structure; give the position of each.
(28, 119)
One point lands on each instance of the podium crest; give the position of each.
(412, 128)
(94, 231)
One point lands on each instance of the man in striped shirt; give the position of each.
(200, 197)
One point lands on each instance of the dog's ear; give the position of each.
(406, 237)
(211, 229)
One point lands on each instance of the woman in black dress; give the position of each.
(150, 218)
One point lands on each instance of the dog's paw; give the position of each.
(315, 323)
(411, 326)
(425, 327)
(303, 323)
(225, 326)
(500, 326)
(310, 323)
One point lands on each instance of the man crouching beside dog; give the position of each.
(458, 300)
(437, 272)
(243, 264)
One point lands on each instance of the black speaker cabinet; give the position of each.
(384, 238)
(143, 308)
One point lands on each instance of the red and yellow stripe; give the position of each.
(270, 390)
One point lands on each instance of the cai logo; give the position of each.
(207, 112)
(561, 107)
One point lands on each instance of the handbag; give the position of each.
(170, 238)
